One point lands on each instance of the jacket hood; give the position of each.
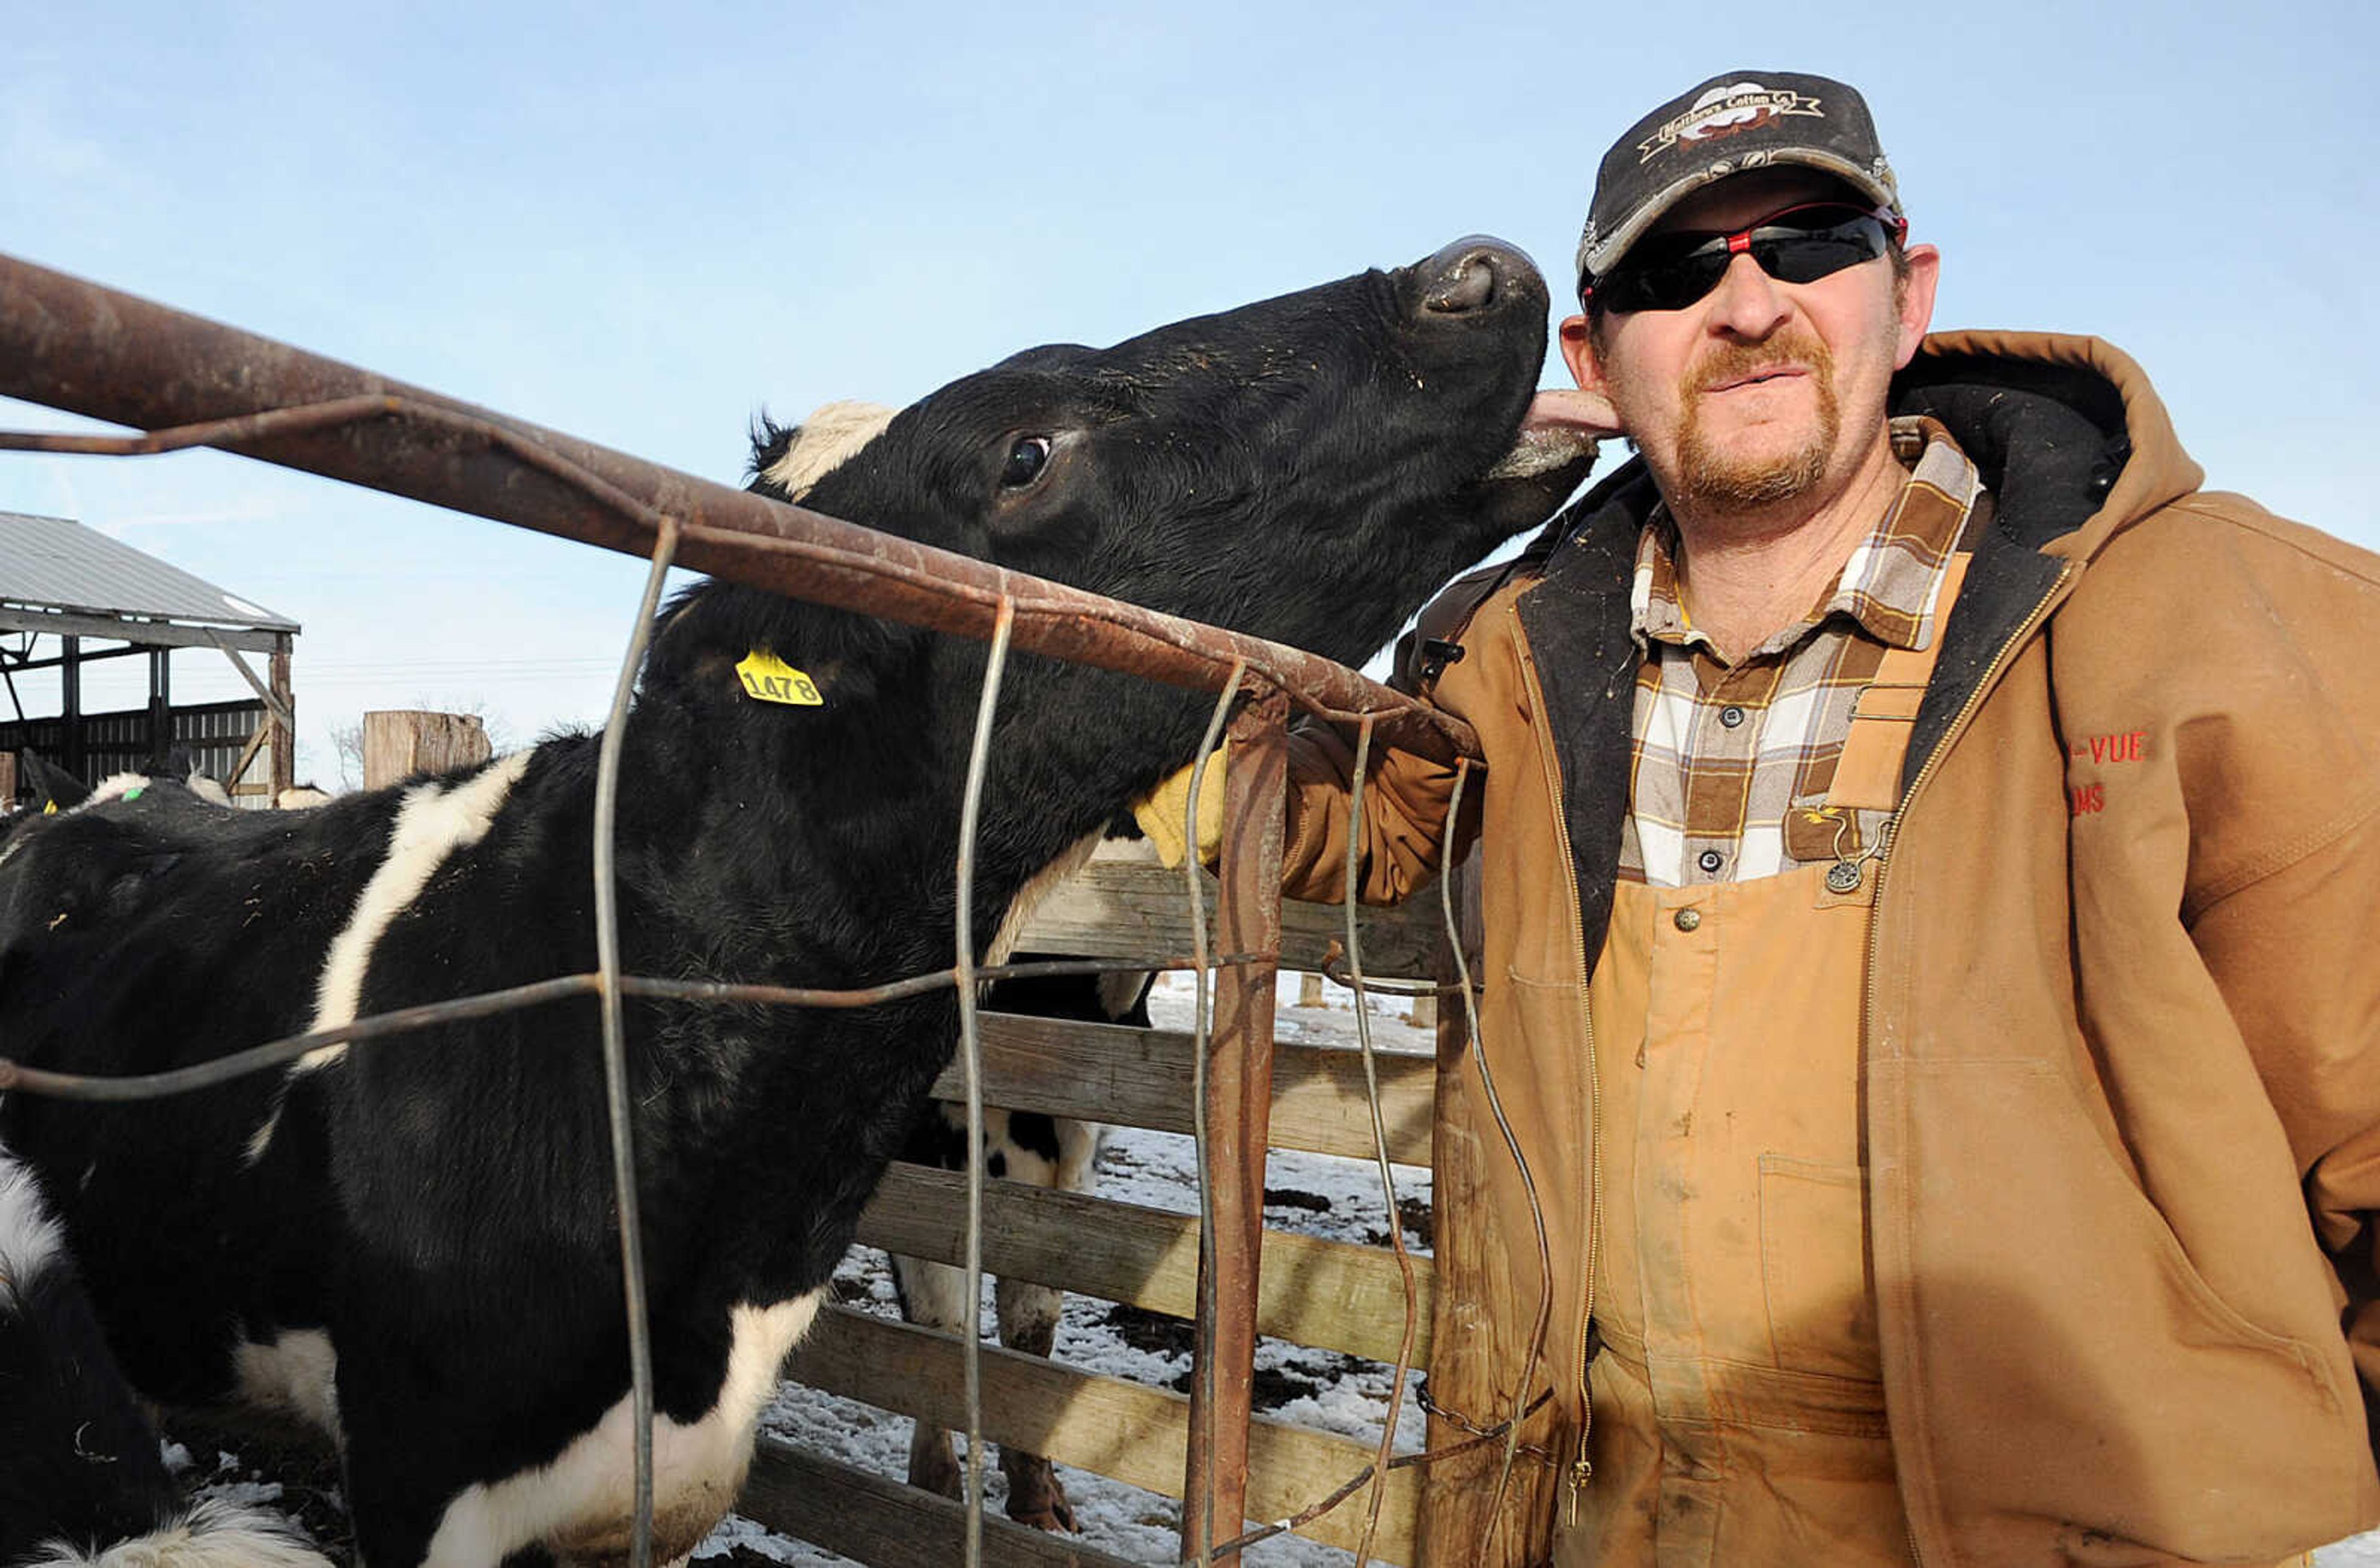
(2094, 449)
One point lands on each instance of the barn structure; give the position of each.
(71, 597)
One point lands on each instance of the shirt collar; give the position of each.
(1886, 586)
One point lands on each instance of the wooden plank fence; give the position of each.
(1330, 1294)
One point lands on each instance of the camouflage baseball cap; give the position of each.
(1737, 121)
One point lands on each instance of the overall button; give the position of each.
(1686, 920)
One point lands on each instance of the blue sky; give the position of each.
(640, 224)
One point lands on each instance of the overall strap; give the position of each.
(1867, 774)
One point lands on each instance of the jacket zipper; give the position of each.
(1582, 1469)
(1891, 830)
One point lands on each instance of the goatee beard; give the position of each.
(1715, 477)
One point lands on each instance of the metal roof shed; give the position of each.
(59, 579)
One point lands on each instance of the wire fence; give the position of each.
(858, 570)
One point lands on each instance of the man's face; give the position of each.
(1761, 396)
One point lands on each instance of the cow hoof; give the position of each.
(942, 1479)
(1050, 1511)
(1055, 1519)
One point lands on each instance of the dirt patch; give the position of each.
(1160, 1334)
(223, 1455)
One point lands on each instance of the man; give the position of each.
(1929, 851)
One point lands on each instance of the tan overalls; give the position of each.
(1739, 1414)
(1738, 1404)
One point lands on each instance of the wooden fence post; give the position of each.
(401, 743)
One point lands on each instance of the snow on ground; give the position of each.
(1316, 1195)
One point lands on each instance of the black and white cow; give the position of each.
(49, 788)
(411, 1244)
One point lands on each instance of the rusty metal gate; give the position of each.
(188, 382)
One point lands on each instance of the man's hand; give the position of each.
(1163, 815)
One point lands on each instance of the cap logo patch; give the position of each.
(1727, 111)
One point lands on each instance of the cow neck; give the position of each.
(770, 810)
(1073, 745)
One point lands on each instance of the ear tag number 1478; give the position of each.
(768, 678)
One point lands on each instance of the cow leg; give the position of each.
(392, 1524)
(1028, 1324)
(402, 1461)
(1049, 1152)
(933, 1294)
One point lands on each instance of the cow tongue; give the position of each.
(1560, 427)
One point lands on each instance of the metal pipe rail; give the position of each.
(94, 351)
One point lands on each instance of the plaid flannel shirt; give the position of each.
(1731, 760)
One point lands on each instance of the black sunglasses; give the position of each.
(1669, 272)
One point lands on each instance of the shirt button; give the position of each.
(1731, 716)
(1710, 860)
(1686, 920)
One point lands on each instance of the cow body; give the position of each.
(411, 1242)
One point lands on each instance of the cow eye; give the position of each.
(1027, 456)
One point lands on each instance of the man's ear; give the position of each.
(1914, 301)
(1586, 370)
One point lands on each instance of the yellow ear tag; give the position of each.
(768, 678)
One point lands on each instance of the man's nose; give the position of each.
(1748, 303)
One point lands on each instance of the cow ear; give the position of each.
(770, 441)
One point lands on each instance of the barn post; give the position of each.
(161, 703)
(70, 746)
(1473, 1354)
(1239, 1124)
(285, 738)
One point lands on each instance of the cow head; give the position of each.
(1307, 468)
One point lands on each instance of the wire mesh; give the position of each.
(615, 1056)
(1065, 622)
(1380, 1150)
(971, 1053)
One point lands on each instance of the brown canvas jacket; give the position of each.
(2122, 1041)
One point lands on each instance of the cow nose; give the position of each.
(1466, 276)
